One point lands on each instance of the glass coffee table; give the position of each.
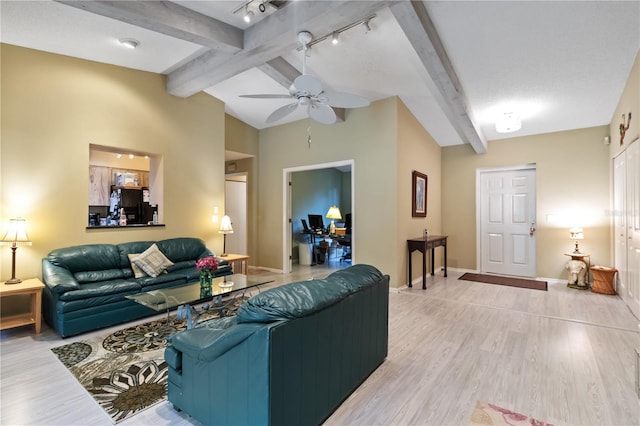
(184, 297)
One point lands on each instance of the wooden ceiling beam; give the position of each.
(273, 36)
(419, 29)
(170, 19)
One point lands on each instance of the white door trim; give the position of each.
(286, 206)
(479, 172)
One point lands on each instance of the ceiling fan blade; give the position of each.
(345, 100)
(308, 84)
(282, 112)
(266, 96)
(322, 113)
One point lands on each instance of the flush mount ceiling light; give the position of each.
(130, 43)
(509, 122)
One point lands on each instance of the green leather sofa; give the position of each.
(290, 356)
(85, 286)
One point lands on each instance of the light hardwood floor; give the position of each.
(564, 356)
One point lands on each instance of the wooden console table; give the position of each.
(32, 287)
(423, 246)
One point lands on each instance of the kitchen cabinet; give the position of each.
(99, 184)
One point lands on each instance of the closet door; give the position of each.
(633, 227)
(626, 198)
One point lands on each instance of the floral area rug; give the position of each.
(489, 414)
(125, 371)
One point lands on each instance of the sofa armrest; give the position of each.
(207, 344)
(58, 279)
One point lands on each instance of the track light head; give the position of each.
(334, 38)
(262, 8)
(248, 15)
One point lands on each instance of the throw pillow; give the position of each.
(152, 261)
(137, 272)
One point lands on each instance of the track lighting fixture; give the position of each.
(248, 15)
(262, 7)
(335, 34)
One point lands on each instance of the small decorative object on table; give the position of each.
(207, 267)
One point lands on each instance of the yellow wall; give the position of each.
(417, 150)
(572, 178)
(54, 106)
(369, 137)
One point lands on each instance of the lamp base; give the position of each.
(13, 281)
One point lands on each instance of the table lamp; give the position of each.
(333, 213)
(225, 228)
(15, 236)
(576, 234)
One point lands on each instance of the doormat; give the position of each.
(508, 281)
(488, 414)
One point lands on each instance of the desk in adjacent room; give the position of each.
(423, 245)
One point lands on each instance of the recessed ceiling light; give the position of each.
(509, 122)
(131, 43)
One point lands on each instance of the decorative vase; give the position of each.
(206, 281)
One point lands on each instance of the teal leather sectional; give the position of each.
(86, 285)
(290, 356)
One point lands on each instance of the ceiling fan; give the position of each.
(308, 92)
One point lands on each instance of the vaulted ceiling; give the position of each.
(457, 65)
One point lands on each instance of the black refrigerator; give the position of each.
(135, 208)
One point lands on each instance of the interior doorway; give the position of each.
(291, 234)
(506, 219)
(235, 193)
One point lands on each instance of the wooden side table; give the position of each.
(239, 262)
(32, 287)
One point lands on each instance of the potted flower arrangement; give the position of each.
(207, 267)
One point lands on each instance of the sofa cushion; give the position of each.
(179, 249)
(291, 301)
(90, 257)
(137, 272)
(95, 276)
(104, 288)
(152, 261)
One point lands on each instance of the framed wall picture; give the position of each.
(419, 194)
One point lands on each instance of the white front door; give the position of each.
(507, 221)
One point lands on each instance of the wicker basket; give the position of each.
(603, 279)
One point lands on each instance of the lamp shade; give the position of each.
(334, 213)
(225, 225)
(17, 233)
(576, 234)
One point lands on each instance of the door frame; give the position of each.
(479, 171)
(286, 207)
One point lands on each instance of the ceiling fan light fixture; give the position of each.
(130, 43)
(509, 122)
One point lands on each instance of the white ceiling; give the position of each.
(561, 65)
